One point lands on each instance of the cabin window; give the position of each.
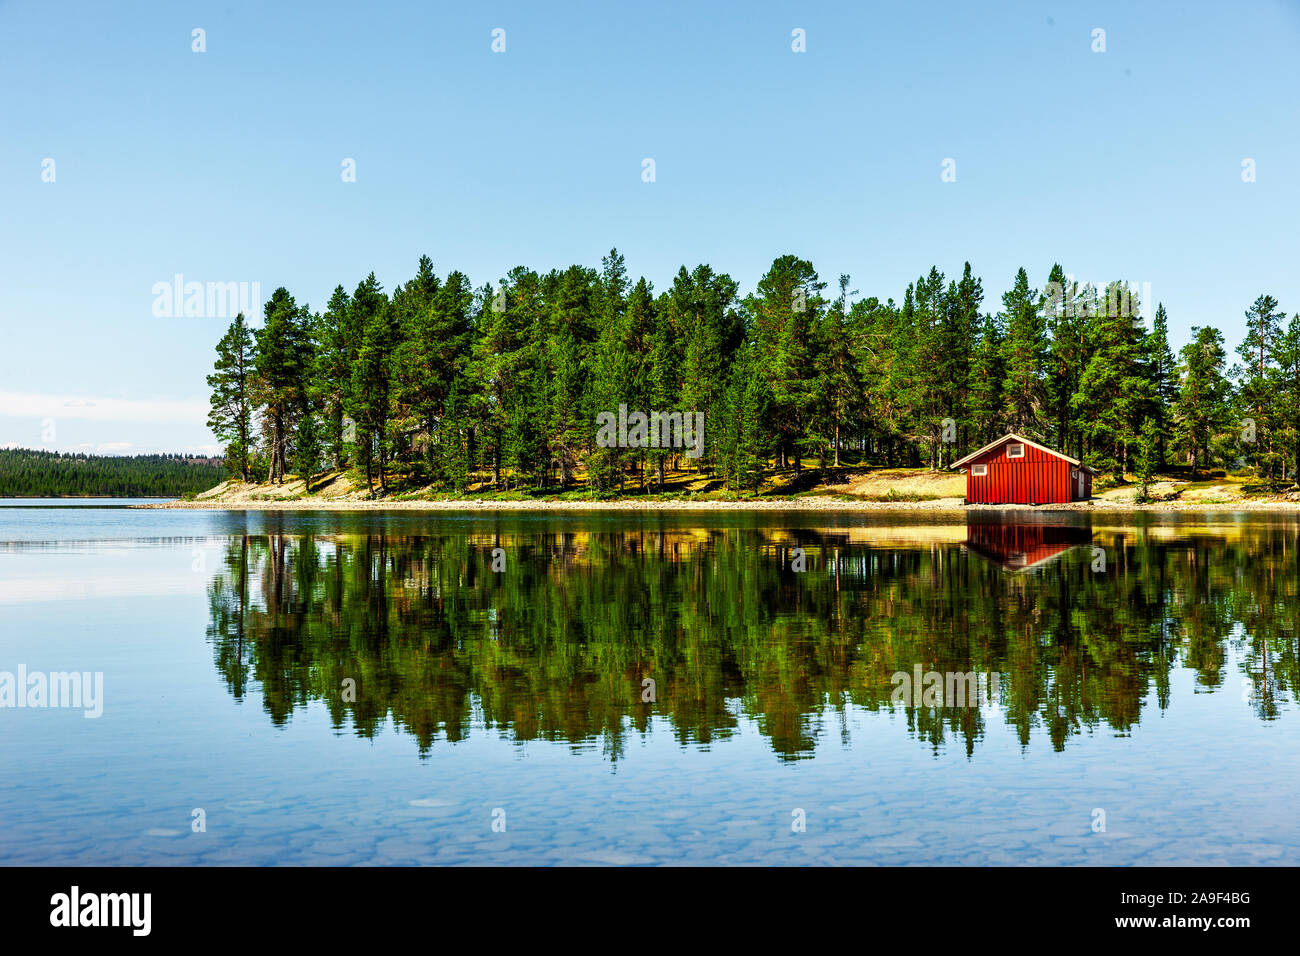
(979, 469)
(1074, 472)
(1015, 450)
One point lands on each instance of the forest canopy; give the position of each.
(439, 382)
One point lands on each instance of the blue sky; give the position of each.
(224, 166)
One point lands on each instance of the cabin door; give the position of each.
(1080, 474)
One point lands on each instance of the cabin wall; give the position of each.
(1038, 478)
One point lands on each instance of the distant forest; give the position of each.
(442, 383)
(28, 473)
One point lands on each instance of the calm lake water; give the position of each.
(353, 688)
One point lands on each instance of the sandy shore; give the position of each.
(949, 505)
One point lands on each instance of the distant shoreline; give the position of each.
(80, 497)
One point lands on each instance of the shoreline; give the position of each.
(940, 506)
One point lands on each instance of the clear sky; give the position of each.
(225, 166)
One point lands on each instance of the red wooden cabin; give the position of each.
(1015, 470)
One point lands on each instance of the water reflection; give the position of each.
(1024, 545)
(558, 646)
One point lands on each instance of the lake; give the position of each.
(689, 687)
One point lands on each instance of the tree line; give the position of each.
(32, 473)
(440, 382)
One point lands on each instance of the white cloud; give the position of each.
(159, 412)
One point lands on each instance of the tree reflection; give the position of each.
(556, 647)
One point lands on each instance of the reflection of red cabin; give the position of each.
(1015, 470)
(1019, 547)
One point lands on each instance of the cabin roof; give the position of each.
(1017, 561)
(1012, 436)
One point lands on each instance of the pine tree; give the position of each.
(928, 356)
(337, 344)
(741, 439)
(961, 329)
(1115, 393)
(1202, 412)
(518, 333)
(838, 387)
(638, 329)
(1148, 454)
(1026, 349)
(710, 323)
(988, 375)
(610, 382)
(231, 414)
(1066, 358)
(430, 366)
(1287, 356)
(369, 393)
(569, 333)
(661, 377)
(881, 336)
(1163, 371)
(307, 446)
(1257, 389)
(283, 368)
(787, 306)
